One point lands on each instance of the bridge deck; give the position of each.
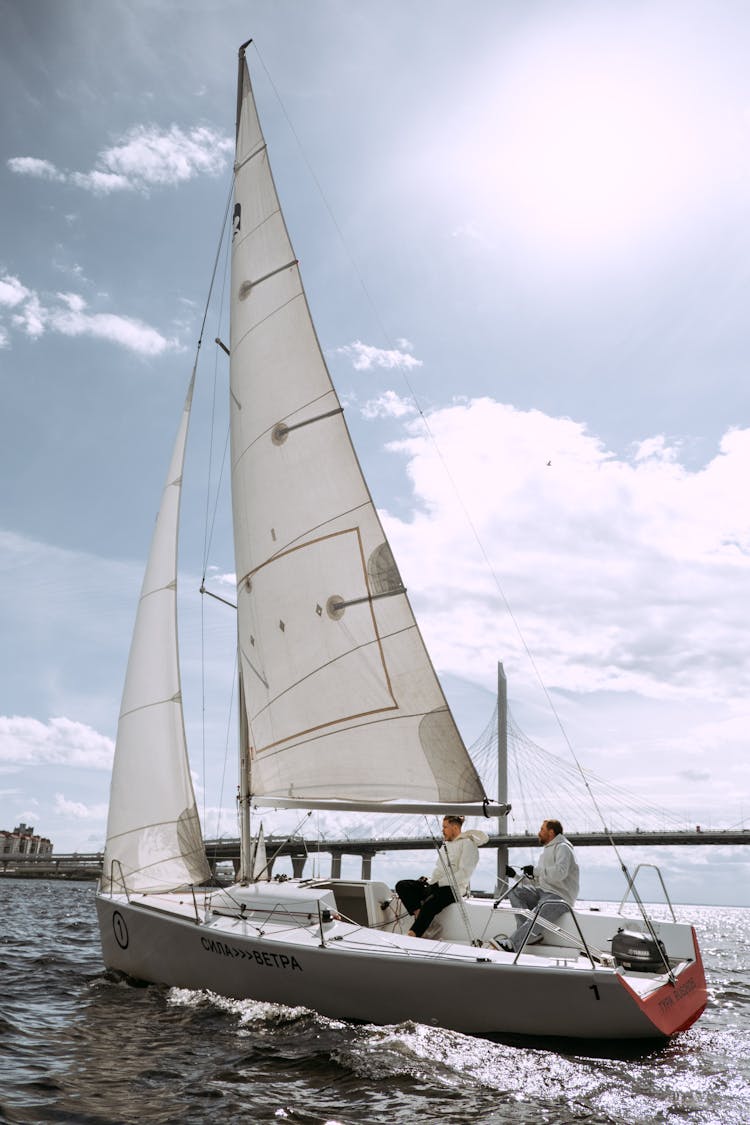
(89, 865)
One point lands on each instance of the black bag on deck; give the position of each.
(638, 953)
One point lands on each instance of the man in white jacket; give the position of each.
(554, 881)
(455, 865)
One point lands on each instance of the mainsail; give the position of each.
(154, 839)
(342, 701)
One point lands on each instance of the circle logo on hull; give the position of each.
(120, 929)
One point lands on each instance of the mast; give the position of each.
(246, 843)
(246, 849)
(502, 767)
(240, 73)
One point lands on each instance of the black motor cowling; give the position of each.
(638, 953)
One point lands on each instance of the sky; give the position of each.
(523, 234)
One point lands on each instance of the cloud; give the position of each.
(126, 331)
(74, 270)
(655, 448)
(61, 741)
(388, 405)
(12, 292)
(32, 318)
(67, 314)
(365, 357)
(101, 183)
(144, 158)
(227, 579)
(31, 166)
(470, 232)
(78, 810)
(624, 574)
(696, 775)
(149, 156)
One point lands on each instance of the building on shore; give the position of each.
(23, 841)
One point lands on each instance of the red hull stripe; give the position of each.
(674, 1007)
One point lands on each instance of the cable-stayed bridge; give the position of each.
(80, 865)
(594, 813)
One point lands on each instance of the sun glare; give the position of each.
(587, 159)
(595, 141)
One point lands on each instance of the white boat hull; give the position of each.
(351, 972)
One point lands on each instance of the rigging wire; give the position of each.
(215, 268)
(211, 521)
(209, 296)
(230, 712)
(456, 491)
(319, 186)
(399, 365)
(467, 515)
(445, 860)
(544, 773)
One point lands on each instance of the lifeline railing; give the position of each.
(116, 863)
(552, 928)
(631, 886)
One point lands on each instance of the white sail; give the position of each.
(342, 700)
(259, 865)
(154, 839)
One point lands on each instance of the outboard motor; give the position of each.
(638, 953)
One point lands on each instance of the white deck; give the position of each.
(294, 914)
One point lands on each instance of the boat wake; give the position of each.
(433, 1062)
(245, 1011)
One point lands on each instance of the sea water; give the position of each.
(78, 1045)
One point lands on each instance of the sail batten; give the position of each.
(341, 699)
(176, 698)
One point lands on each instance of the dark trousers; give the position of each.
(428, 898)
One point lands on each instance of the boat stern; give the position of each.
(675, 1005)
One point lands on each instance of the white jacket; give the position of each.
(457, 860)
(557, 870)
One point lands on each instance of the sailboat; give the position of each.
(340, 708)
